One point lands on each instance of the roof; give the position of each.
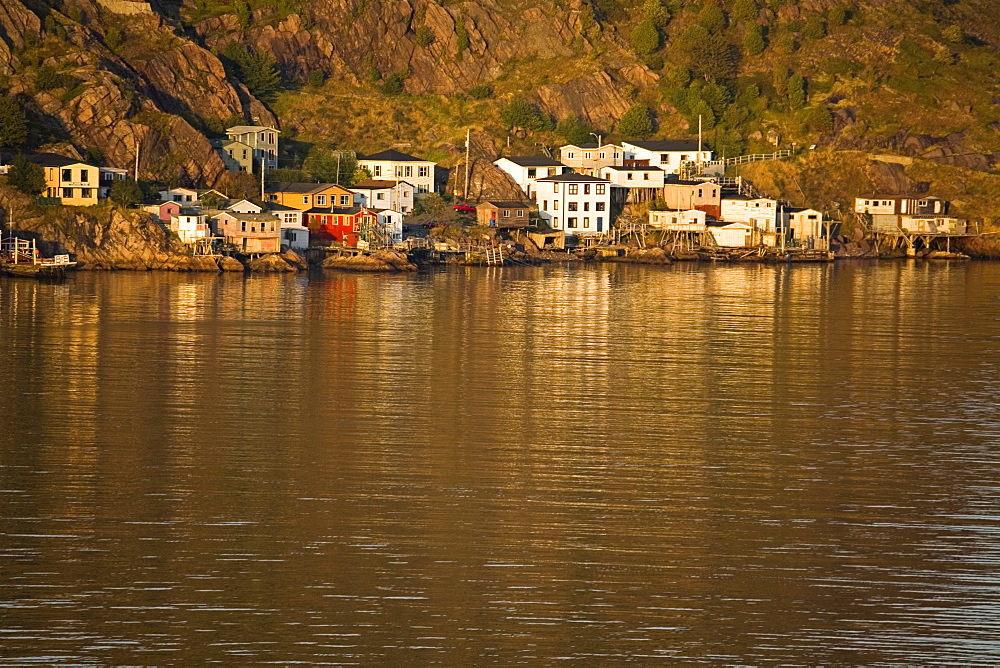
(54, 160)
(576, 178)
(591, 146)
(884, 196)
(243, 129)
(250, 217)
(533, 161)
(275, 207)
(392, 155)
(500, 204)
(342, 210)
(299, 188)
(621, 168)
(376, 184)
(679, 182)
(669, 145)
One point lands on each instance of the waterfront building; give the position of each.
(526, 170)
(701, 195)
(669, 155)
(577, 203)
(306, 196)
(72, 181)
(384, 194)
(764, 213)
(590, 158)
(503, 214)
(189, 227)
(394, 165)
(248, 232)
(691, 220)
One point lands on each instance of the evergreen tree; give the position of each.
(796, 91)
(636, 122)
(711, 18)
(13, 128)
(257, 69)
(125, 192)
(26, 176)
(656, 13)
(645, 38)
(519, 113)
(753, 40)
(745, 10)
(573, 130)
(714, 59)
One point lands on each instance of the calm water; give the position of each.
(596, 464)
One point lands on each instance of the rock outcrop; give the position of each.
(379, 261)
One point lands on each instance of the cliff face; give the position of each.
(144, 95)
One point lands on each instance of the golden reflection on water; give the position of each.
(735, 464)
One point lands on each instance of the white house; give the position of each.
(669, 155)
(294, 236)
(394, 165)
(245, 206)
(634, 177)
(526, 170)
(764, 213)
(590, 158)
(577, 203)
(391, 221)
(180, 195)
(288, 215)
(900, 204)
(190, 228)
(691, 220)
(805, 223)
(933, 224)
(734, 235)
(382, 194)
(262, 140)
(108, 176)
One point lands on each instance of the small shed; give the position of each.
(733, 235)
(502, 214)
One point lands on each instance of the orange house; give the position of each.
(305, 196)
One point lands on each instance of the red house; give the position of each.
(339, 224)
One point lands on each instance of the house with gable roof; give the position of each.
(395, 165)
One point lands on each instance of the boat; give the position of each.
(20, 257)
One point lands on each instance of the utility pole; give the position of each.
(468, 137)
(699, 142)
(262, 157)
(136, 173)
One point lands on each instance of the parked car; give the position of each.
(465, 208)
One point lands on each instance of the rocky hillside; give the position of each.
(896, 77)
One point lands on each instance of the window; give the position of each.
(244, 154)
(531, 173)
(376, 170)
(586, 188)
(506, 213)
(555, 205)
(85, 193)
(665, 158)
(628, 176)
(67, 175)
(271, 138)
(243, 226)
(421, 189)
(379, 196)
(545, 204)
(84, 176)
(177, 198)
(571, 206)
(409, 170)
(699, 192)
(602, 156)
(555, 187)
(263, 137)
(586, 156)
(570, 155)
(586, 206)
(586, 223)
(571, 222)
(599, 189)
(573, 189)
(305, 199)
(684, 158)
(345, 200)
(599, 206)
(715, 193)
(423, 171)
(320, 200)
(520, 213)
(600, 219)
(67, 192)
(616, 154)
(555, 223)
(645, 176)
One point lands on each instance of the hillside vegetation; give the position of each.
(872, 77)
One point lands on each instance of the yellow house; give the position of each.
(75, 183)
(305, 196)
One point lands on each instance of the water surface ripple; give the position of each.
(722, 464)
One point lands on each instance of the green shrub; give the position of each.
(519, 113)
(463, 36)
(481, 92)
(13, 127)
(316, 78)
(953, 34)
(837, 16)
(636, 122)
(815, 28)
(393, 84)
(753, 40)
(425, 37)
(645, 38)
(796, 91)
